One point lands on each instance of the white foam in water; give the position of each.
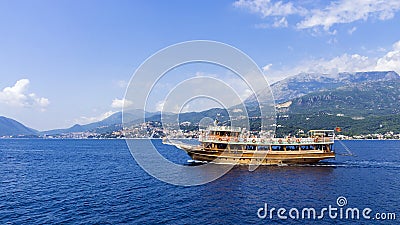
(371, 164)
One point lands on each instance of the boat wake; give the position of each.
(355, 164)
(192, 162)
(372, 164)
(345, 164)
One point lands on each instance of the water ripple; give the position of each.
(98, 182)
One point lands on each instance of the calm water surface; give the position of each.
(98, 182)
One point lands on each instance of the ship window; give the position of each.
(236, 147)
(250, 147)
(263, 147)
(291, 148)
(277, 148)
(307, 147)
(221, 146)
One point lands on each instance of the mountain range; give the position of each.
(10, 127)
(357, 100)
(347, 99)
(363, 108)
(305, 83)
(110, 123)
(360, 103)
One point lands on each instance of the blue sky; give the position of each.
(67, 62)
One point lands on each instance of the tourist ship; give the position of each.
(230, 145)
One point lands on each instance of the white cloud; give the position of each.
(18, 96)
(337, 12)
(343, 63)
(200, 74)
(280, 23)
(267, 8)
(172, 107)
(351, 31)
(246, 93)
(160, 106)
(332, 41)
(347, 11)
(120, 103)
(267, 67)
(92, 119)
(121, 83)
(390, 61)
(186, 108)
(117, 104)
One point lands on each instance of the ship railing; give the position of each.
(224, 128)
(266, 141)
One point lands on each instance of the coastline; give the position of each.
(143, 138)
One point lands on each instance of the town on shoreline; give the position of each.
(155, 130)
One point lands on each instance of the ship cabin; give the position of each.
(237, 140)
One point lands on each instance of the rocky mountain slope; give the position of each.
(302, 84)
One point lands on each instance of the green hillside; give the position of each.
(368, 125)
(366, 108)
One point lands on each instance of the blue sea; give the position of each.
(99, 182)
